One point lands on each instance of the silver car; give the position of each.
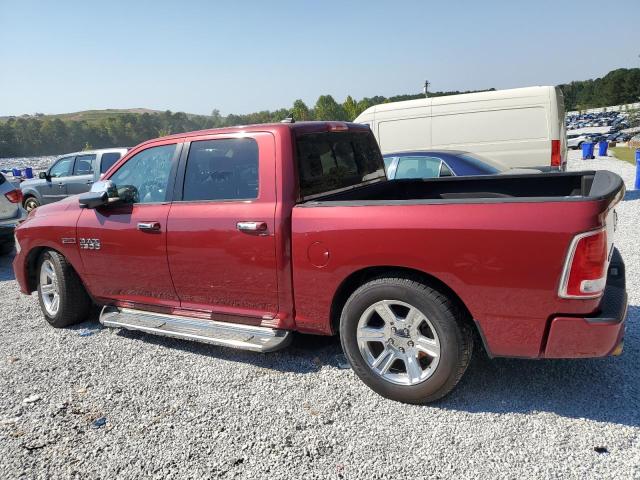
(11, 212)
(70, 174)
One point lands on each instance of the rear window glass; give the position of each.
(331, 161)
(225, 169)
(108, 159)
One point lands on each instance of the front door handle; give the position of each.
(149, 226)
(252, 227)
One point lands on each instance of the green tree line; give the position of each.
(45, 135)
(617, 87)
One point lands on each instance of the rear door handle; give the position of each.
(252, 227)
(149, 226)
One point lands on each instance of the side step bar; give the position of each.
(244, 337)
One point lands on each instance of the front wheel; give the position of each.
(31, 203)
(62, 296)
(405, 340)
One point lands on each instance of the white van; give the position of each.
(521, 127)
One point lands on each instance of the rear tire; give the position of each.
(30, 203)
(63, 299)
(426, 342)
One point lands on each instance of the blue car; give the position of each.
(443, 163)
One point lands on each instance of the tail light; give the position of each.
(556, 156)
(14, 196)
(585, 270)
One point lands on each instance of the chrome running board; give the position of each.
(234, 335)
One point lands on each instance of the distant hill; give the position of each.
(86, 115)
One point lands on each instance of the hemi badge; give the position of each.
(68, 240)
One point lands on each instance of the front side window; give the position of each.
(108, 160)
(84, 165)
(225, 169)
(62, 168)
(148, 173)
(418, 167)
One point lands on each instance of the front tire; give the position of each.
(30, 203)
(405, 340)
(63, 299)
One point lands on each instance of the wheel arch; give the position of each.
(31, 265)
(362, 276)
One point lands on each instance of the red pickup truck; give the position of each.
(239, 236)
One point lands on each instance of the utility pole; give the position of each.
(426, 88)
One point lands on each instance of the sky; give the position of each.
(240, 57)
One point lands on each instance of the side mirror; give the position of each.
(43, 175)
(93, 199)
(101, 193)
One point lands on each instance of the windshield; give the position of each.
(333, 161)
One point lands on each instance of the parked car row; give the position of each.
(615, 120)
(575, 140)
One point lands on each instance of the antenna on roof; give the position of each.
(289, 119)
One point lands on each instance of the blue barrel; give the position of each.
(16, 172)
(28, 172)
(587, 151)
(637, 186)
(602, 148)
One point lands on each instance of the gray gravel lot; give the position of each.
(176, 409)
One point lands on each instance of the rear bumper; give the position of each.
(596, 335)
(7, 226)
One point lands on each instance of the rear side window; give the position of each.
(108, 160)
(418, 167)
(225, 169)
(84, 165)
(331, 161)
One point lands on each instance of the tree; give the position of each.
(300, 111)
(350, 108)
(328, 109)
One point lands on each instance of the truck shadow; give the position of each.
(604, 390)
(306, 354)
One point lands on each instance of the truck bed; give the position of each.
(568, 186)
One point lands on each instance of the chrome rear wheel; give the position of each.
(398, 342)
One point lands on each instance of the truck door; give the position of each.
(82, 177)
(123, 245)
(221, 240)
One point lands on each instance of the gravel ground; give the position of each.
(90, 402)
